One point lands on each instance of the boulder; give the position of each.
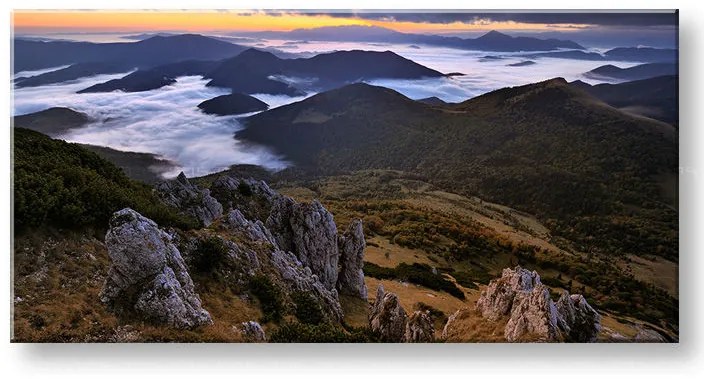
(496, 300)
(148, 278)
(579, 321)
(189, 199)
(532, 315)
(350, 280)
(387, 317)
(419, 328)
(648, 336)
(252, 332)
(315, 241)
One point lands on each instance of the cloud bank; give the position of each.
(165, 122)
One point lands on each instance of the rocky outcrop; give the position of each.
(648, 335)
(419, 328)
(148, 278)
(533, 316)
(189, 199)
(449, 324)
(253, 229)
(279, 221)
(519, 296)
(579, 321)
(252, 332)
(315, 240)
(351, 244)
(496, 300)
(387, 317)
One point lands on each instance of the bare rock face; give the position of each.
(279, 221)
(387, 317)
(181, 194)
(351, 245)
(579, 321)
(449, 324)
(253, 229)
(419, 328)
(532, 315)
(148, 278)
(315, 240)
(496, 300)
(252, 332)
(648, 336)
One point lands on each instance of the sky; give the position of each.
(426, 22)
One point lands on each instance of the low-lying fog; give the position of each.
(168, 123)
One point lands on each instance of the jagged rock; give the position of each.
(419, 328)
(315, 240)
(254, 229)
(496, 300)
(579, 321)
(279, 221)
(449, 324)
(148, 277)
(300, 278)
(351, 245)
(285, 265)
(648, 335)
(532, 314)
(252, 332)
(189, 199)
(388, 318)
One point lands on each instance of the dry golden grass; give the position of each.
(654, 270)
(356, 311)
(470, 326)
(386, 254)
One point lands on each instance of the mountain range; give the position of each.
(491, 41)
(538, 148)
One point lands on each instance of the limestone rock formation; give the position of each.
(189, 199)
(449, 324)
(648, 335)
(577, 318)
(254, 229)
(315, 240)
(279, 221)
(252, 332)
(148, 278)
(496, 300)
(419, 328)
(532, 315)
(387, 317)
(350, 280)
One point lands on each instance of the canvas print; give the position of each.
(350, 176)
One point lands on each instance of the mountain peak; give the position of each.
(493, 34)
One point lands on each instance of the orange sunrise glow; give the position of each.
(41, 21)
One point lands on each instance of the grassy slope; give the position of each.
(584, 168)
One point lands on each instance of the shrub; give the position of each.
(269, 297)
(244, 188)
(63, 185)
(416, 273)
(209, 254)
(307, 333)
(307, 310)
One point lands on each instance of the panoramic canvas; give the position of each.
(314, 176)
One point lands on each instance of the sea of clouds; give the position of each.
(167, 122)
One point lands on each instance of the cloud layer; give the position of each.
(165, 122)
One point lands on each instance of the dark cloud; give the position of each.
(599, 18)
